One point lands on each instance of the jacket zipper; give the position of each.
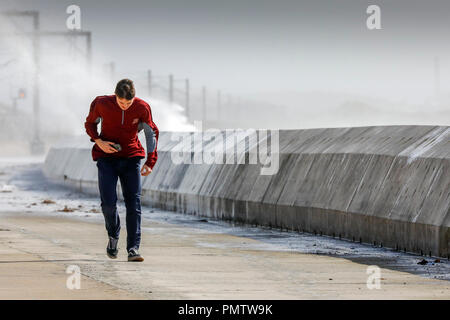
(123, 114)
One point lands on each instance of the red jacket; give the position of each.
(121, 126)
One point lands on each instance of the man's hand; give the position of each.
(145, 171)
(106, 146)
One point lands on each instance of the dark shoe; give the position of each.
(111, 249)
(133, 255)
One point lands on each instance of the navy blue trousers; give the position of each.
(128, 171)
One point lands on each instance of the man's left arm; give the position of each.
(151, 136)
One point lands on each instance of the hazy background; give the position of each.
(277, 64)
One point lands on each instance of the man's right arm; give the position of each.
(92, 120)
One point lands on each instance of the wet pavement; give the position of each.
(27, 188)
(25, 193)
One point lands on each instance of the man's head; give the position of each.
(125, 93)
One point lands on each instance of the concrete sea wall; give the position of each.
(383, 185)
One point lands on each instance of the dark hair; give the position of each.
(125, 89)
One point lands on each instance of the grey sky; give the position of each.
(259, 46)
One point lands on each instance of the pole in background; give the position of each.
(171, 88)
(149, 80)
(37, 146)
(203, 103)
(112, 70)
(89, 51)
(187, 99)
(437, 80)
(219, 105)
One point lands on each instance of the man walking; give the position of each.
(118, 153)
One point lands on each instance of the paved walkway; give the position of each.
(181, 263)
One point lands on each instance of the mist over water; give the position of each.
(67, 87)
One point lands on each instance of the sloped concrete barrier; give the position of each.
(383, 185)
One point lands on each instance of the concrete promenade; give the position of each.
(37, 249)
(45, 228)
